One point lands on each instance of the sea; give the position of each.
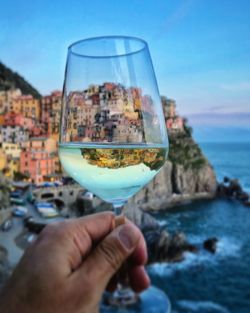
(203, 282)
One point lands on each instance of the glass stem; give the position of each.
(118, 207)
(123, 295)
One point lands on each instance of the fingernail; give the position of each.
(128, 236)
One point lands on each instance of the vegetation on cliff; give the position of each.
(184, 151)
(10, 79)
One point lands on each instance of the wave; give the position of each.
(162, 223)
(226, 247)
(202, 306)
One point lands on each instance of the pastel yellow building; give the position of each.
(11, 149)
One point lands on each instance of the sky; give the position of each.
(200, 49)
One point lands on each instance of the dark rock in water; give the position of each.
(231, 188)
(210, 244)
(164, 247)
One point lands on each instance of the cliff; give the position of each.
(186, 176)
(10, 79)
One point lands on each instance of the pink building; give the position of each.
(17, 119)
(36, 164)
(176, 123)
(37, 131)
(109, 86)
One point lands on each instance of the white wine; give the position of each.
(112, 172)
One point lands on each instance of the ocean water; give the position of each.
(203, 282)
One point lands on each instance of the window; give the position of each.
(60, 194)
(26, 163)
(71, 193)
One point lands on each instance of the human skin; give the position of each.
(68, 267)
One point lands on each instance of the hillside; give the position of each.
(10, 79)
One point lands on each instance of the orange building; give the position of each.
(50, 112)
(27, 105)
(1, 119)
(41, 144)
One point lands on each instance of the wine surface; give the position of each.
(112, 172)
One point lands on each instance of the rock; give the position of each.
(210, 244)
(231, 188)
(242, 196)
(234, 187)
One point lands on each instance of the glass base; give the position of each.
(152, 300)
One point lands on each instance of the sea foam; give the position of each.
(226, 247)
(201, 306)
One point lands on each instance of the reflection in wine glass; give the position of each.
(113, 138)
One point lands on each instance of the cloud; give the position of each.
(240, 86)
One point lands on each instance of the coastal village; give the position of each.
(29, 127)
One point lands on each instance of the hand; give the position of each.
(68, 267)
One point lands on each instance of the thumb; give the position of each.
(109, 255)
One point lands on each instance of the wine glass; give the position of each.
(113, 138)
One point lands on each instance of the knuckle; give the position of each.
(112, 254)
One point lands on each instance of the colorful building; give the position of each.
(17, 119)
(27, 105)
(12, 167)
(13, 134)
(175, 124)
(45, 144)
(6, 98)
(11, 149)
(50, 112)
(169, 107)
(36, 164)
(3, 160)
